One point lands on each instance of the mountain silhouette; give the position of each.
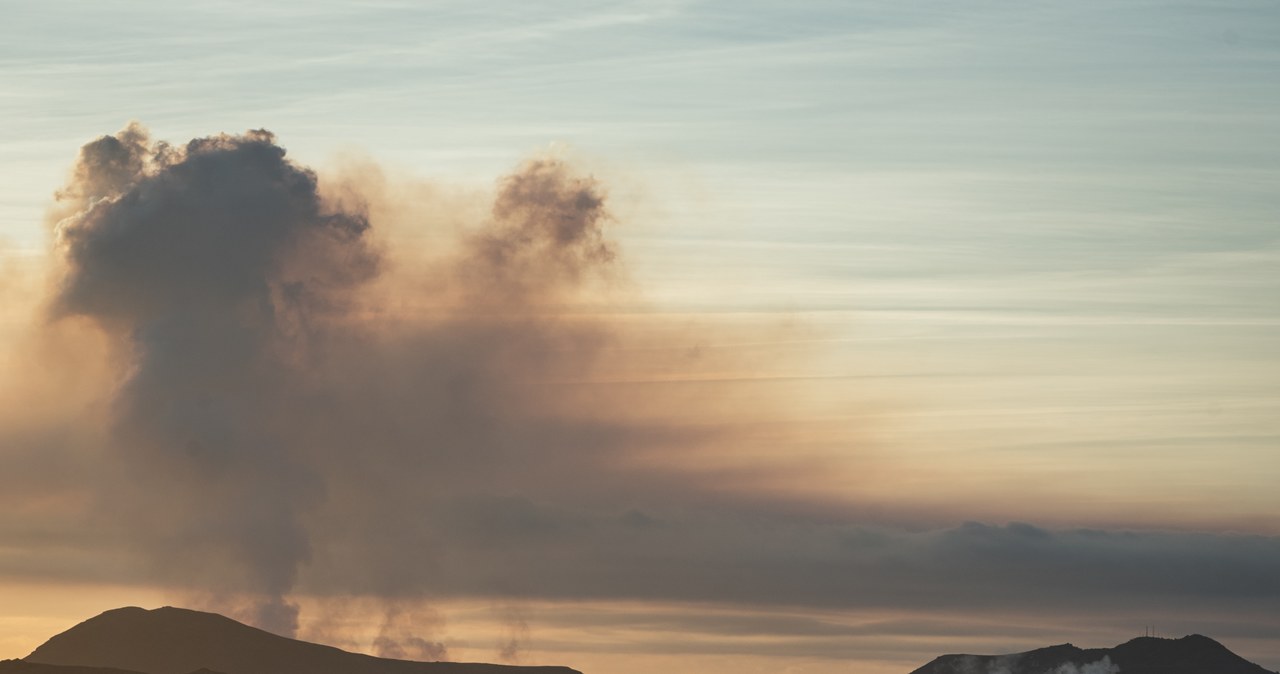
(1194, 654)
(180, 641)
(24, 667)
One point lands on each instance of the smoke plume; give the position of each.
(263, 388)
(213, 267)
(515, 635)
(290, 390)
(401, 635)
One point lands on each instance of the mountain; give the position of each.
(180, 641)
(24, 667)
(1194, 654)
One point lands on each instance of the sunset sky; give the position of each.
(803, 337)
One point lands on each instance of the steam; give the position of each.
(1000, 664)
(1009, 664)
(1103, 666)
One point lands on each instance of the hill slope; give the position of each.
(179, 641)
(1192, 654)
(24, 667)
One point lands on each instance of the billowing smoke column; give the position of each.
(265, 388)
(211, 264)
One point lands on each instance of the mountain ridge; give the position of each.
(172, 640)
(24, 667)
(1191, 654)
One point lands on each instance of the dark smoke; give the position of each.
(212, 266)
(292, 400)
(547, 231)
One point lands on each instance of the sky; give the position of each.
(803, 337)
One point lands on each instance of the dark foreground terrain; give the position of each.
(1192, 654)
(179, 641)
